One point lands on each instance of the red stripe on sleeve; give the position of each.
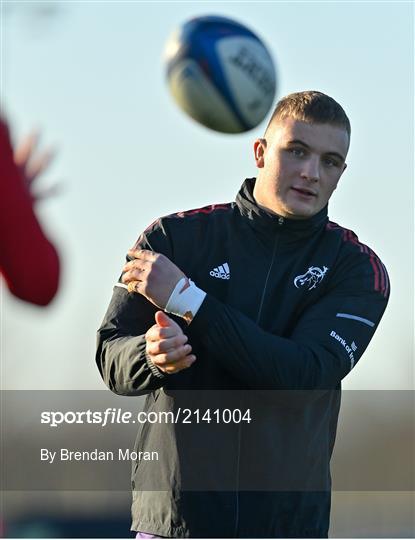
(381, 282)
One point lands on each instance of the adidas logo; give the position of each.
(221, 272)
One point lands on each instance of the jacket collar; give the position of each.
(264, 220)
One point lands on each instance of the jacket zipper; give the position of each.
(274, 251)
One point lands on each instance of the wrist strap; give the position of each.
(185, 300)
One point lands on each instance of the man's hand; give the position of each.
(166, 345)
(33, 164)
(153, 275)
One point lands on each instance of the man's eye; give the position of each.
(331, 162)
(299, 152)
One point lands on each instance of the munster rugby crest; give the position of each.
(311, 278)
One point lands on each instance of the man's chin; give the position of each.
(301, 211)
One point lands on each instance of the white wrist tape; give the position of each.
(185, 300)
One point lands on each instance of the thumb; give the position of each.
(162, 319)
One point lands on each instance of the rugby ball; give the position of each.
(220, 73)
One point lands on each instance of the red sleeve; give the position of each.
(28, 260)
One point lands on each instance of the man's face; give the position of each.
(300, 165)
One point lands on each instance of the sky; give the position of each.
(90, 76)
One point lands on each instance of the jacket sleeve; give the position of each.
(325, 344)
(121, 346)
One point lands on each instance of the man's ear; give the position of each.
(344, 168)
(259, 152)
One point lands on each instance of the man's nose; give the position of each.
(311, 169)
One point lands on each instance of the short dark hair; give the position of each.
(311, 107)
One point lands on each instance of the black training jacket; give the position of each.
(291, 306)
